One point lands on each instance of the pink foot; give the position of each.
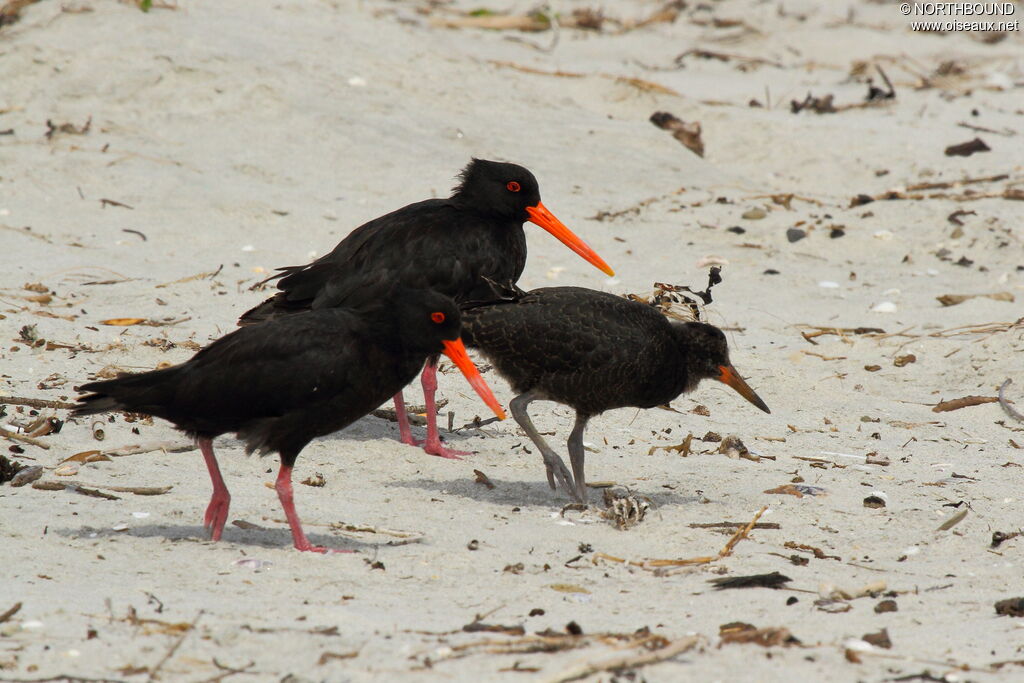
(433, 445)
(284, 493)
(220, 501)
(217, 515)
(440, 450)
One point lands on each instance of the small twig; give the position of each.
(165, 446)
(34, 402)
(153, 672)
(670, 650)
(24, 439)
(964, 402)
(10, 613)
(740, 534)
(1006, 405)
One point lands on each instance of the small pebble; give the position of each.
(795, 234)
(884, 307)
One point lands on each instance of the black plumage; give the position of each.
(458, 246)
(281, 384)
(594, 351)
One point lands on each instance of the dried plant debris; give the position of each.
(680, 302)
(964, 402)
(10, 11)
(825, 103)
(688, 133)
(773, 580)
(9, 468)
(1000, 537)
(482, 478)
(798, 490)
(954, 299)
(817, 552)
(316, 479)
(921, 191)
(900, 361)
(841, 332)
(624, 510)
(53, 129)
(659, 565)
(733, 447)
(76, 487)
(966, 149)
(1010, 607)
(740, 632)
(886, 606)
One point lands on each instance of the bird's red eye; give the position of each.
(512, 186)
(437, 317)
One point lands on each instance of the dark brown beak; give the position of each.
(539, 215)
(732, 378)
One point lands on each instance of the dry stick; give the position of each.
(671, 650)
(10, 613)
(34, 402)
(965, 402)
(1005, 404)
(639, 83)
(153, 673)
(24, 439)
(948, 185)
(740, 534)
(165, 446)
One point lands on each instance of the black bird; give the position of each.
(281, 384)
(459, 246)
(594, 351)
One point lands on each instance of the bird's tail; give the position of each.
(138, 393)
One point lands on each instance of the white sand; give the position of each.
(250, 137)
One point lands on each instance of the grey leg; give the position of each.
(555, 466)
(576, 455)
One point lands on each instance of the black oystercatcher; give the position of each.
(458, 246)
(594, 351)
(281, 384)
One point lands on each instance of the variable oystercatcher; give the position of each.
(459, 246)
(280, 384)
(594, 351)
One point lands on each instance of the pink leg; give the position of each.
(284, 493)
(433, 444)
(404, 431)
(217, 510)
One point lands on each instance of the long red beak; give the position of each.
(539, 215)
(457, 352)
(732, 378)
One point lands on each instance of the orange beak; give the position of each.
(457, 352)
(539, 215)
(732, 378)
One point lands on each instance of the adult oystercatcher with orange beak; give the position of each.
(281, 384)
(594, 351)
(458, 246)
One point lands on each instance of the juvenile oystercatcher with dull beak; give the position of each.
(594, 351)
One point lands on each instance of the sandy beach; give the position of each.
(155, 165)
